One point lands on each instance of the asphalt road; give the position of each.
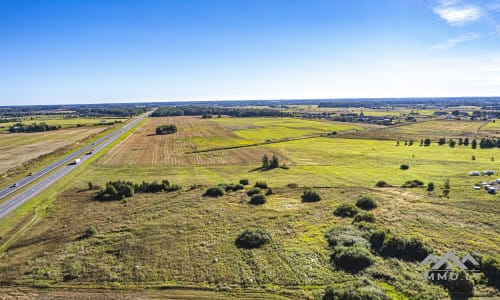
(61, 167)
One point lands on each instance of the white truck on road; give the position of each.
(76, 161)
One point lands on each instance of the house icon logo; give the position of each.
(446, 266)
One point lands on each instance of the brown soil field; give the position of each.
(144, 147)
(18, 148)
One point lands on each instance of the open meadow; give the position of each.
(184, 242)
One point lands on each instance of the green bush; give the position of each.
(244, 181)
(254, 191)
(215, 191)
(366, 203)
(413, 184)
(364, 217)
(351, 259)
(491, 269)
(389, 245)
(89, 232)
(346, 236)
(258, 199)
(310, 195)
(404, 167)
(353, 293)
(261, 184)
(253, 238)
(382, 183)
(345, 210)
(269, 192)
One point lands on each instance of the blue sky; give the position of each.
(69, 51)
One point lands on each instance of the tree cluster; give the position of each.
(192, 110)
(118, 190)
(272, 163)
(35, 127)
(166, 129)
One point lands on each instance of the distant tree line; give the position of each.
(35, 127)
(189, 110)
(484, 143)
(166, 129)
(118, 190)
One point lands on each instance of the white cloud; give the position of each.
(458, 15)
(456, 40)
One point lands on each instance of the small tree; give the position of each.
(441, 141)
(91, 186)
(265, 162)
(430, 187)
(244, 181)
(452, 143)
(466, 142)
(473, 144)
(274, 162)
(447, 188)
(404, 167)
(427, 142)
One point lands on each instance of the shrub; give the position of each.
(430, 187)
(347, 236)
(413, 184)
(292, 185)
(310, 195)
(261, 184)
(231, 187)
(254, 191)
(364, 217)
(352, 259)
(244, 181)
(381, 183)
(215, 191)
(411, 249)
(491, 269)
(90, 231)
(353, 293)
(366, 203)
(253, 238)
(258, 199)
(404, 167)
(345, 210)
(269, 192)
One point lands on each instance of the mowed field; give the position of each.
(201, 141)
(17, 148)
(185, 242)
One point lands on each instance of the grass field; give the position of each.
(184, 243)
(262, 129)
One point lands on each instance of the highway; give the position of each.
(61, 167)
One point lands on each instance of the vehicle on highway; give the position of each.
(75, 162)
(90, 152)
(30, 173)
(14, 185)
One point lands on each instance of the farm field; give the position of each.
(63, 122)
(262, 129)
(184, 242)
(19, 148)
(492, 127)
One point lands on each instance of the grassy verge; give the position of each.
(41, 203)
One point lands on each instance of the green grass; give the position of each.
(184, 241)
(262, 129)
